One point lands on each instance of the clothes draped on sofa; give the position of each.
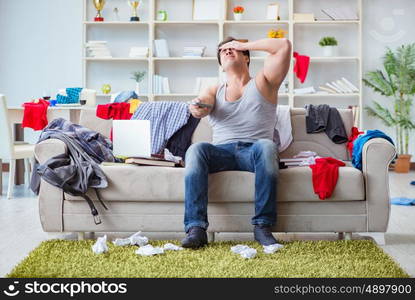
(283, 131)
(35, 114)
(325, 118)
(355, 132)
(166, 118)
(182, 139)
(78, 169)
(325, 173)
(115, 111)
(360, 142)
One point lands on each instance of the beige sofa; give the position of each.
(151, 199)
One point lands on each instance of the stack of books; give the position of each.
(341, 13)
(160, 85)
(138, 52)
(194, 51)
(342, 86)
(98, 49)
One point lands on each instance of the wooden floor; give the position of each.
(21, 231)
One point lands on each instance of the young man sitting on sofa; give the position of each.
(242, 114)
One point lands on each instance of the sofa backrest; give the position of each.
(317, 142)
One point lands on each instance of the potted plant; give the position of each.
(329, 44)
(237, 13)
(138, 77)
(397, 81)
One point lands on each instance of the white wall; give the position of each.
(41, 45)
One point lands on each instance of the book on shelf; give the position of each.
(161, 47)
(161, 84)
(341, 86)
(153, 161)
(98, 49)
(341, 13)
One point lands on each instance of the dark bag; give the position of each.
(72, 178)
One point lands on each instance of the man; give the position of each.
(242, 116)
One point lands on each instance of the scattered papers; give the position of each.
(135, 239)
(149, 250)
(100, 245)
(272, 248)
(244, 251)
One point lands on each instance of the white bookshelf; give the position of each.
(180, 30)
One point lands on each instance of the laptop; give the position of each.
(131, 138)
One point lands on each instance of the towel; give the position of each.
(35, 114)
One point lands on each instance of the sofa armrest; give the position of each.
(50, 197)
(48, 149)
(377, 154)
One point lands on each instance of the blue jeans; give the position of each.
(204, 158)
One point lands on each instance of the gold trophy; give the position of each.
(134, 5)
(99, 5)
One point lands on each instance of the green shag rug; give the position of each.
(356, 258)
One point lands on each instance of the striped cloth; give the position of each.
(72, 96)
(166, 117)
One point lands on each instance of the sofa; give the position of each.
(151, 199)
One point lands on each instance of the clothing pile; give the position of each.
(77, 170)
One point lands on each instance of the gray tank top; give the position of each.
(247, 119)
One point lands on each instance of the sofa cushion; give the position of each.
(148, 183)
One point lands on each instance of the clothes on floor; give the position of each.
(166, 118)
(182, 139)
(355, 132)
(402, 201)
(283, 130)
(35, 114)
(124, 96)
(325, 118)
(325, 173)
(115, 111)
(248, 119)
(302, 63)
(72, 96)
(360, 142)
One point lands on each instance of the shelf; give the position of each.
(260, 22)
(184, 58)
(114, 23)
(333, 58)
(328, 22)
(115, 59)
(109, 95)
(175, 95)
(187, 22)
(327, 95)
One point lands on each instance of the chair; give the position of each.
(11, 150)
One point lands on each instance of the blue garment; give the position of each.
(204, 158)
(403, 201)
(166, 117)
(359, 143)
(124, 96)
(413, 182)
(72, 96)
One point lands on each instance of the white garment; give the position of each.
(283, 128)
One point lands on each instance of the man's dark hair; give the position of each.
(227, 40)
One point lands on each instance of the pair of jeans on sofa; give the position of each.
(204, 158)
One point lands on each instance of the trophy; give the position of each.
(134, 6)
(99, 5)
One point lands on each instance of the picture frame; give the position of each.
(273, 11)
(206, 10)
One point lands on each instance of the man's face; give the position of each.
(230, 57)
